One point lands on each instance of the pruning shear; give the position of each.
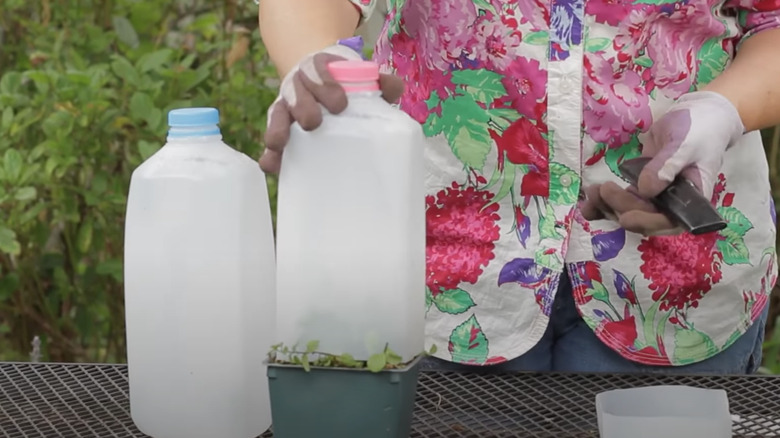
(681, 201)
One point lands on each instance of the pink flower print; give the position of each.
(682, 27)
(611, 12)
(765, 19)
(525, 83)
(630, 43)
(462, 231)
(441, 28)
(420, 81)
(496, 42)
(632, 34)
(426, 83)
(616, 104)
(681, 268)
(534, 12)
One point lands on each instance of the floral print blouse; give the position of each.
(525, 102)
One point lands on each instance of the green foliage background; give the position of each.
(84, 89)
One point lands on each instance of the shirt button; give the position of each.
(568, 82)
(565, 180)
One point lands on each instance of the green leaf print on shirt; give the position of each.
(536, 38)
(737, 222)
(485, 6)
(713, 60)
(507, 181)
(548, 259)
(643, 61)
(464, 124)
(503, 117)
(432, 125)
(468, 342)
(433, 101)
(648, 324)
(733, 247)
(471, 145)
(547, 228)
(692, 345)
(463, 120)
(598, 292)
(564, 185)
(454, 301)
(615, 156)
(597, 44)
(483, 85)
(394, 25)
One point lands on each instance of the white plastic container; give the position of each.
(664, 411)
(199, 286)
(351, 227)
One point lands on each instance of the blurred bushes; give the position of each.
(85, 86)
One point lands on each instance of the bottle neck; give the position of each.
(183, 141)
(360, 87)
(189, 133)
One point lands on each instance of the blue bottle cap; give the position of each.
(192, 117)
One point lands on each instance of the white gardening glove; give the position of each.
(308, 88)
(690, 139)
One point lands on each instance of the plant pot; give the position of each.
(342, 402)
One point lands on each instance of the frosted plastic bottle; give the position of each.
(351, 227)
(199, 286)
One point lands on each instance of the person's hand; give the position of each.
(690, 139)
(308, 88)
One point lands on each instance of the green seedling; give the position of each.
(311, 357)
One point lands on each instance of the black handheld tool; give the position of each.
(681, 201)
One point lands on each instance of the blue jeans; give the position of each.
(569, 345)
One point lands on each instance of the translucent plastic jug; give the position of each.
(667, 411)
(199, 286)
(351, 227)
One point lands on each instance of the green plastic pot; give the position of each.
(342, 402)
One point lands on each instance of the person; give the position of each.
(539, 256)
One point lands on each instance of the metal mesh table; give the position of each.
(75, 400)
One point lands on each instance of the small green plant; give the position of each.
(310, 357)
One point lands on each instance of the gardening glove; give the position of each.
(308, 88)
(690, 139)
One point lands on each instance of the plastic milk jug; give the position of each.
(351, 227)
(199, 286)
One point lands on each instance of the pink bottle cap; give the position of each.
(355, 75)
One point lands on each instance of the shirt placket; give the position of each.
(564, 88)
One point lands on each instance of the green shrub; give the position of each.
(84, 93)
